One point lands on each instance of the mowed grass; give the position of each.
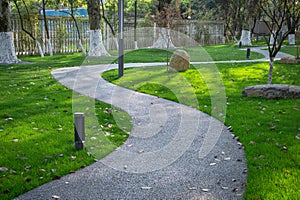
(291, 49)
(36, 115)
(36, 125)
(268, 128)
(197, 54)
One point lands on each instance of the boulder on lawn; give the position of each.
(288, 60)
(180, 61)
(273, 91)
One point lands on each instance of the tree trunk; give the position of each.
(270, 75)
(7, 49)
(292, 39)
(38, 44)
(164, 40)
(47, 29)
(96, 47)
(246, 38)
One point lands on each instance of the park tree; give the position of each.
(96, 47)
(7, 50)
(167, 11)
(43, 5)
(72, 11)
(28, 27)
(282, 17)
(251, 8)
(109, 16)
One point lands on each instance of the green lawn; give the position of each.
(291, 50)
(36, 125)
(197, 54)
(267, 128)
(36, 117)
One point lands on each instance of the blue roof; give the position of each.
(64, 12)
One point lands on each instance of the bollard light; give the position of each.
(248, 53)
(79, 133)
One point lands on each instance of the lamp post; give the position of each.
(121, 37)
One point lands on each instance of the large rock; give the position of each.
(273, 91)
(180, 61)
(288, 60)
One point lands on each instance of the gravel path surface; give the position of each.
(173, 152)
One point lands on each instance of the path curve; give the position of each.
(221, 174)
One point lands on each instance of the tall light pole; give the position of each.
(121, 37)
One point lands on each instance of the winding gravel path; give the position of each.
(173, 152)
(186, 154)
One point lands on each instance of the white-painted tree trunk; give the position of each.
(116, 42)
(292, 39)
(39, 48)
(81, 47)
(7, 49)
(97, 48)
(136, 45)
(272, 40)
(164, 40)
(270, 75)
(246, 38)
(50, 47)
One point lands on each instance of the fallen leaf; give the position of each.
(284, 149)
(27, 179)
(227, 158)
(252, 142)
(205, 190)
(27, 167)
(287, 171)
(55, 197)
(15, 140)
(3, 169)
(72, 157)
(146, 188)
(297, 137)
(141, 151)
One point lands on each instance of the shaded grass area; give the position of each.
(36, 125)
(290, 50)
(220, 52)
(267, 128)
